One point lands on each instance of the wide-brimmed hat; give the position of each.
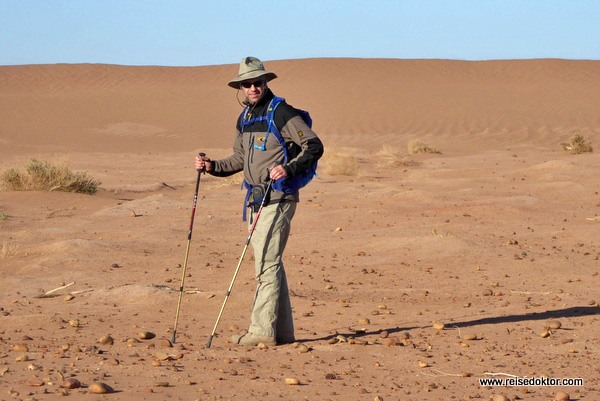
(251, 67)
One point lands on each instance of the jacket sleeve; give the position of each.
(304, 146)
(232, 164)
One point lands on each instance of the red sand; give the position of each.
(502, 210)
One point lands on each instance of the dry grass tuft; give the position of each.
(8, 249)
(577, 144)
(39, 175)
(392, 157)
(340, 164)
(415, 147)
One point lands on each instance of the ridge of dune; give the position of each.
(357, 102)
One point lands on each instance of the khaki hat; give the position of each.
(250, 67)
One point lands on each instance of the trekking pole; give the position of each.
(187, 251)
(262, 204)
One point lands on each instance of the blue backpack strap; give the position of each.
(273, 127)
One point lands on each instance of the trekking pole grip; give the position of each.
(201, 154)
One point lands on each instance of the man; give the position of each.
(258, 153)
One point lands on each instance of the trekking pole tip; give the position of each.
(209, 342)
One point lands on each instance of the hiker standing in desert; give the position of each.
(272, 142)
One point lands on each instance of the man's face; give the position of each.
(254, 89)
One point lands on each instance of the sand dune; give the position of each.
(353, 101)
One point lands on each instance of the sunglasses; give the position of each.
(256, 84)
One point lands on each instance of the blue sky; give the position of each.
(196, 32)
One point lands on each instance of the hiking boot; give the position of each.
(251, 339)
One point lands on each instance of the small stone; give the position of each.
(161, 384)
(554, 324)
(20, 348)
(423, 364)
(303, 349)
(34, 382)
(156, 363)
(338, 229)
(262, 346)
(470, 337)
(69, 297)
(22, 358)
(106, 340)
(164, 343)
(234, 327)
(488, 293)
(364, 321)
(439, 326)
(562, 396)
(545, 334)
(100, 388)
(71, 383)
(292, 381)
(499, 397)
(146, 335)
(384, 334)
(74, 323)
(330, 376)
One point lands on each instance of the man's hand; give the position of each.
(278, 172)
(203, 163)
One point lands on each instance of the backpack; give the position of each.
(285, 185)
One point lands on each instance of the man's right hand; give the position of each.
(203, 163)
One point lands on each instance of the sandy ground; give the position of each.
(496, 237)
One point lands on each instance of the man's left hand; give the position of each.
(278, 172)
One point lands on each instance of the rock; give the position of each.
(100, 388)
(330, 376)
(234, 327)
(439, 326)
(74, 323)
(423, 364)
(554, 324)
(470, 337)
(106, 340)
(161, 384)
(71, 383)
(384, 334)
(364, 321)
(292, 381)
(562, 396)
(303, 349)
(146, 335)
(499, 397)
(22, 358)
(69, 297)
(164, 343)
(545, 334)
(34, 382)
(20, 348)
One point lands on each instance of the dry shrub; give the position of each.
(8, 249)
(341, 164)
(392, 157)
(415, 147)
(577, 144)
(39, 175)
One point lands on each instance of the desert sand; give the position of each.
(495, 237)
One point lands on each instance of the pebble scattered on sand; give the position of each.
(100, 388)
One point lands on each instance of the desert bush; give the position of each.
(39, 175)
(340, 164)
(577, 144)
(393, 157)
(415, 147)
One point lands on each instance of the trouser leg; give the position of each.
(272, 311)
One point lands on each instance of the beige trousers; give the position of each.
(272, 310)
